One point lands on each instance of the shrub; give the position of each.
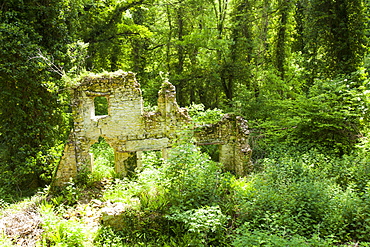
(203, 225)
(192, 180)
(197, 193)
(330, 117)
(107, 237)
(298, 196)
(249, 237)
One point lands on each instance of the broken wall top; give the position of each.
(126, 121)
(105, 82)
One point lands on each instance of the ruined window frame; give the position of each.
(104, 110)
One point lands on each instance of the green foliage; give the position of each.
(77, 53)
(33, 121)
(300, 196)
(182, 197)
(192, 179)
(250, 237)
(74, 192)
(336, 36)
(143, 220)
(70, 194)
(145, 191)
(62, 232)
(103, 160)
(146, 188)
(101, 106)
(119, 191)
(331, 117)
(151, 192)
(204, 225)
(202, 117)
(202, 220)
(108, 27)
(252, 57)
(107, 237)
(196, 191)
(288, 66)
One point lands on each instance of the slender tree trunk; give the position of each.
(180, 56)
(281, 40)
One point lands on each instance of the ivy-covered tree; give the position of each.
(32, 120)
(335, 37)
(108, 27)
(284, 30)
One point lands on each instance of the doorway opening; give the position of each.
(153, 158)
(102, 160)
(212, 150)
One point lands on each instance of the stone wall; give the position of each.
(231, 135)
(129, 130)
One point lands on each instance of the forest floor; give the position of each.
(22, 223)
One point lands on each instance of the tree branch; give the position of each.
(116, 14)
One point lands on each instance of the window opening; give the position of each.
(101, 106)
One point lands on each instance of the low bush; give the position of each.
(203, 226)
(193, 180)
(302, 196)
(250, 237)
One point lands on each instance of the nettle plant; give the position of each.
(192, 179)
(197, 194)
(331, 115)
(203, 225)
(300, 196)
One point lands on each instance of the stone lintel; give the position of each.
(147, 144)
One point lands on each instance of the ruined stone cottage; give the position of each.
(130, 131)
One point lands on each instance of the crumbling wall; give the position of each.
(231, 135)
(129, 130)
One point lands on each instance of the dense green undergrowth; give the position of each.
(296, 199)
(297, 195)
